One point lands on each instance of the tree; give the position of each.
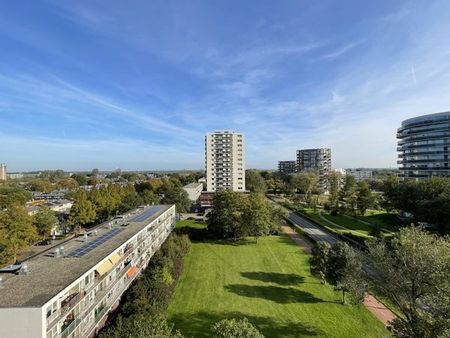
(413, 272)
(319, 259)
(305, 183)
(68, 183)
(80, 178)
(225, 220)
(141, 325)
(349, 194)
(16, 232)
(254, 181)
(175, 194)
(82, 211)
(257, 218)
(10, 195)
(344, 271)
(334, 179)
(364, 199)
(41, 185)
(44, 221)
(235, 328)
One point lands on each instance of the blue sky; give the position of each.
(137, 84)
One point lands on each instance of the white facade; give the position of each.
(360, 174)
(2, 172)
(193, 190)
(80, 308)
(225, 161)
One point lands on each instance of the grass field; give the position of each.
(270, 284)
(196, 224)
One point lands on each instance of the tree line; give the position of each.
(412, 271)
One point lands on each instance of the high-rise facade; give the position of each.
(424, 146)
(2, 172)
(225, 160)
(286, 167)
(315, 160)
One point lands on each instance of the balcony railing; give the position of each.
(68, 329)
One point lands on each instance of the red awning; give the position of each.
(132, 271)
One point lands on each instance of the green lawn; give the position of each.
(270, 284)
(196, 224)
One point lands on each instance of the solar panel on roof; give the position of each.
(95, 243)
(147, 213)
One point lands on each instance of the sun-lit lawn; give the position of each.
(270, 284)
(191, 223)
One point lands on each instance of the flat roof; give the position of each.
(192, 185)
(49, 275)
(427, 118)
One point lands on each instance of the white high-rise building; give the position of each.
(2, 172)
(225, 160)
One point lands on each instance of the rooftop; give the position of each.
(192, 185)
(49, 275)
(427, 118)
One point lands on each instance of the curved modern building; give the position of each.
(424, 146)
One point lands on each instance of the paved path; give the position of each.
(370, 302)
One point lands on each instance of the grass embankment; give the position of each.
(269, 283)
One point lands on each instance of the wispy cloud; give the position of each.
(341, 50)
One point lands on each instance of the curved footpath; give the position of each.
(370, 302)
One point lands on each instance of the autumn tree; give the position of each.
(82, 211)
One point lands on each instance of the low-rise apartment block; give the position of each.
(69, 290)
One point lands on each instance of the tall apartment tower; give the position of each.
(424, 146)
(225, 160)
(315, 160)
(2, 172)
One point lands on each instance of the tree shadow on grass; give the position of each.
(274, 277)
(200, 324)
(273, 293)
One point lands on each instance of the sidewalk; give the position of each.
(370, 302)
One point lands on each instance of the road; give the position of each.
(311, 229)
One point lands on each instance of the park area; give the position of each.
(269, 283)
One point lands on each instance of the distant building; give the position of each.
(424, 146)
(360, 174)
(225, 161)
(286, 167)
(71, 290)
(315, 160)
(3, 172)
(193, 190)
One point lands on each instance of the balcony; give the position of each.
(69, 327)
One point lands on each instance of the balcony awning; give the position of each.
(132, 271)
(104, 268)
(115, 257)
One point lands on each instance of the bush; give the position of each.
(235, 328)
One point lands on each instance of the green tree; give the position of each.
(16, 230)
(175, 194)
(41, 185)
(305, 183)
(80, 178)
(10, 195)
(364, 199)
(235, 328)
(254, 182)
(344, 271)
(226, 218)
(82, 211)
(141, 325)
(334, 179)
(319, 259)
(349, 194)
(257, 218)
(413, 272)
(44, 221)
